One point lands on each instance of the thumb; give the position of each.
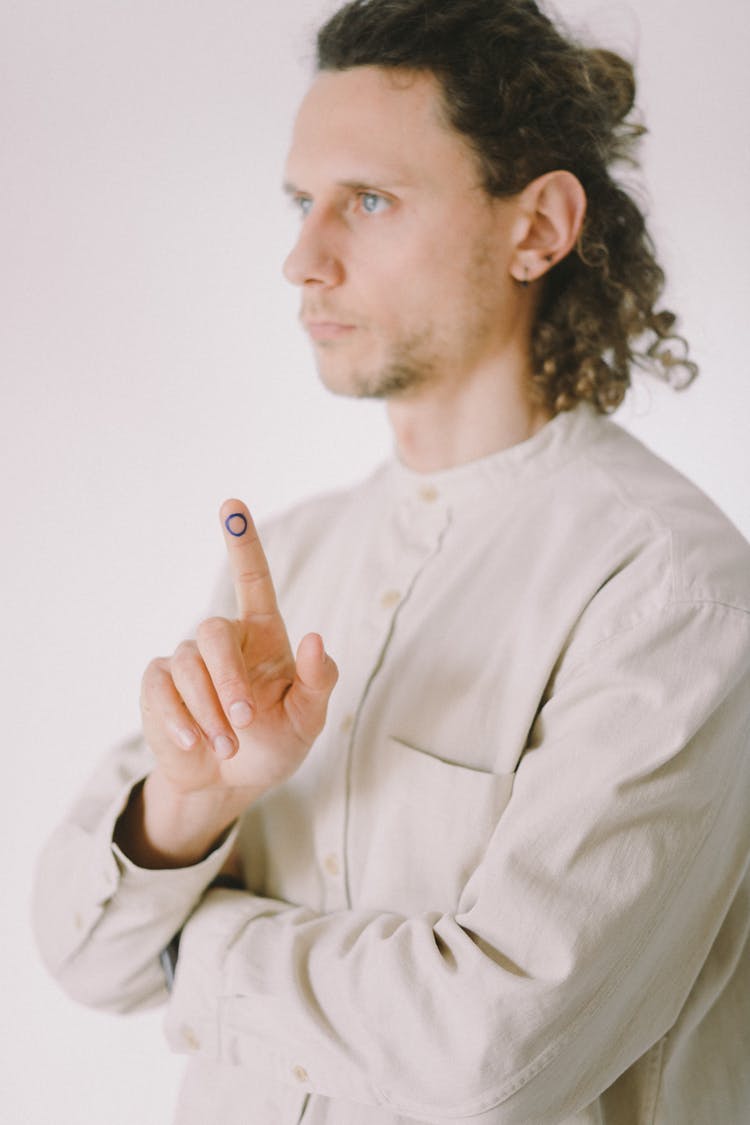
(306, 701)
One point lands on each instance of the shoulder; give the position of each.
(655, 580)
(663, 525)
(621, 541)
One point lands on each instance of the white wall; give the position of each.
(151, 365)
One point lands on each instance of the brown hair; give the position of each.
(531, 100)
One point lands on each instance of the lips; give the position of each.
(320, 328)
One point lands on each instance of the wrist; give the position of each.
(162, 827)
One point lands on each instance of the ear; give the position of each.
(552, 209)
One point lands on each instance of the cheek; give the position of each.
(407, 281)
(460, 267)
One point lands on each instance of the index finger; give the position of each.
(247, 562)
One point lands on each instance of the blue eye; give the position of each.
(303, 204)
(372, 203)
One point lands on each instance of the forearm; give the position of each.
(428, 1015)
(380, 1009)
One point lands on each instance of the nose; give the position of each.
(314, 260)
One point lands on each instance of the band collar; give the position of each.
(559, 440)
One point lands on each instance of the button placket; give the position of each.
(418, 532)
(330, 820)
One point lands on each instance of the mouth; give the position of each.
(326, 330)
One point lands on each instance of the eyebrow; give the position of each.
(375, 184)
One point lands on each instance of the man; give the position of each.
(497, 874)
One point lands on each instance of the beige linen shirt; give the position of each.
(509, 885)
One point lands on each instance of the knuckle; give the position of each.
(211, 629)
(185, 654)
(154, 670)
(153, 677)
(154, 686)
(251, 576)
(274, 668)
(229, 685)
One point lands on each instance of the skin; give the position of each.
(409, 278)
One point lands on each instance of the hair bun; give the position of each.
(614, 79)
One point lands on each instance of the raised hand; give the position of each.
(229, 715)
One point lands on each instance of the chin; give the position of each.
(391, 381)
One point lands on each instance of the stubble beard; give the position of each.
(403, 373)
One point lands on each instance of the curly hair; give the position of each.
(531, 100)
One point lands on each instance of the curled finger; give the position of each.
(194, 685)
(221, 651)
(162, 703)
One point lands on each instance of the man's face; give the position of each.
(402, 258)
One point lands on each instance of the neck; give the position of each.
(448, 423)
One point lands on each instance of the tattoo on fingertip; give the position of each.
(236, 524)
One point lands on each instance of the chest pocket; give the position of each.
(421, 826)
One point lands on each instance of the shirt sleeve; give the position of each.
(100, 921)
(577, 939)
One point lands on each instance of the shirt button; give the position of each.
(332, 865)
(428, 493)
(390, 599)
(189, 1038)
(347, 723)
(300, 1073)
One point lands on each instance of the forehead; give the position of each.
(373, 123)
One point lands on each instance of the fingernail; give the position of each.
(240, 714)
(187, 738)
(223, 746)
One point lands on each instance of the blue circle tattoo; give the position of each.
(239, 528)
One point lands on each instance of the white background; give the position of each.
(151, 365)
